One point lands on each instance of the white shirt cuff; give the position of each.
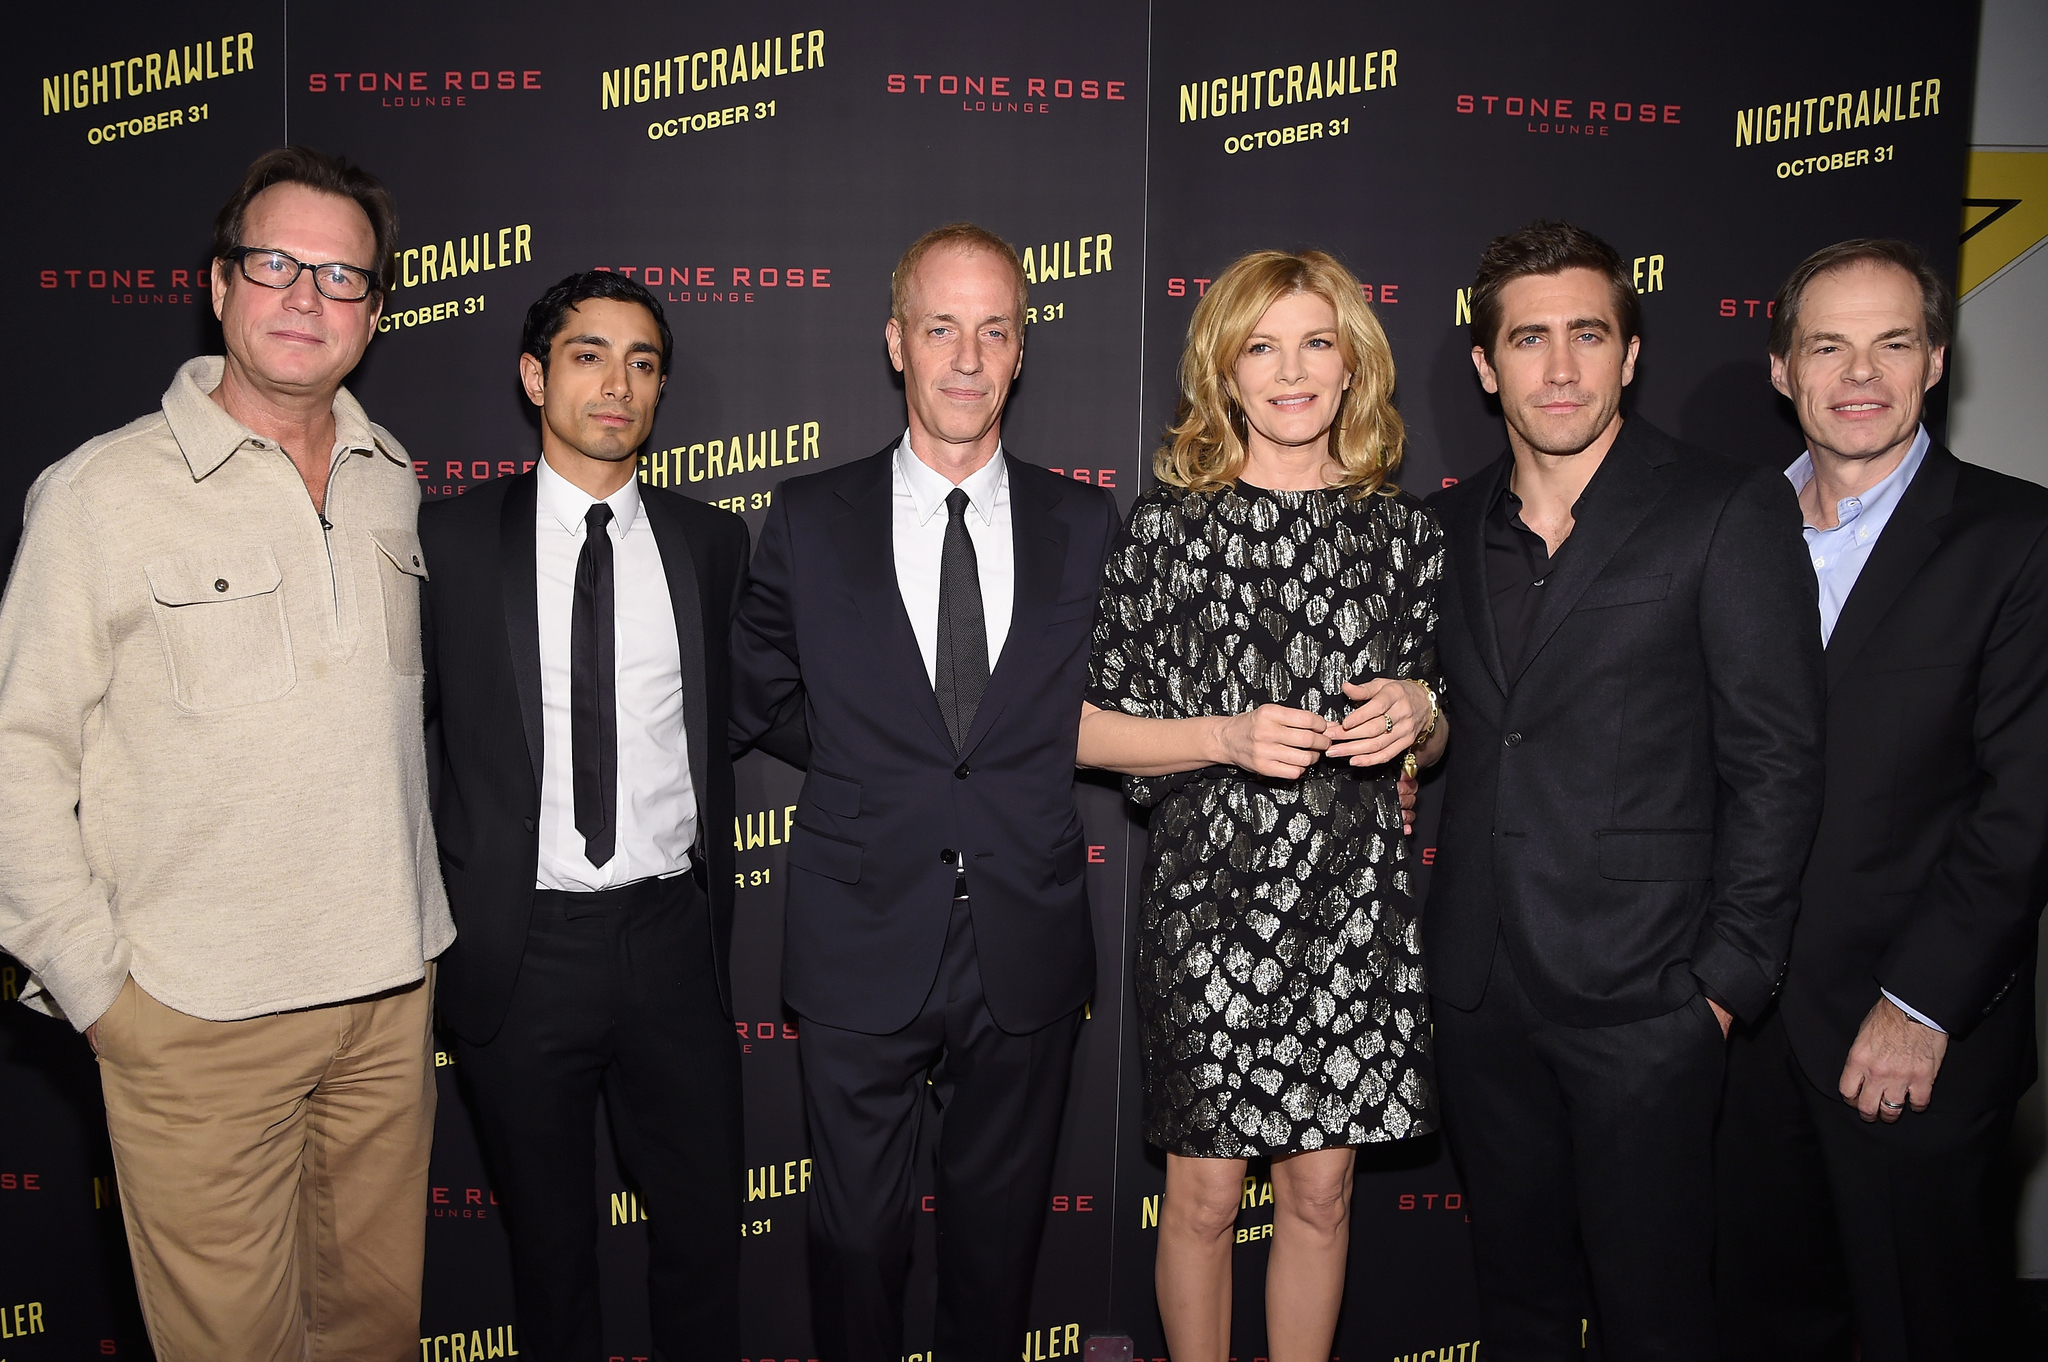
(1907, 1008)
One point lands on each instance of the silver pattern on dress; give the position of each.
(1279, 984)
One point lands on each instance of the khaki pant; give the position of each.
(273, 1175)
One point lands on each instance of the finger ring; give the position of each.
(1891, 1106)
(1390, 723)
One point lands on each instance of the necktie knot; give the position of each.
(956, 503)
(598, 518)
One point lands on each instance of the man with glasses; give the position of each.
(215, 851)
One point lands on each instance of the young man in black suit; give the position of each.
(576, 622)
(1632, 789)
(1868, 1112)
(928, 610)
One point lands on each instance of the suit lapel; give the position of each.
(1039, 548)
(686, 598)
(864, 537)
(517, 561)
(1623, 491)
(1910, 537)
(1470, 541)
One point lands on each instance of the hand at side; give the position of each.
(1892, 1064)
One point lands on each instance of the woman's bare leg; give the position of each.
(1311, 1237)
(1197, 1223)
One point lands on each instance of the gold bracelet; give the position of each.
(1411, 766)
(1428, 730)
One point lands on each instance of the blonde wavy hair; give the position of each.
(1205, 446)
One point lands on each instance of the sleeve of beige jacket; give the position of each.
(56, 662)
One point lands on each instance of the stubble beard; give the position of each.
(1559, 442)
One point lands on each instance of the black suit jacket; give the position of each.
(480, 617)
(1630, 811)
(823, 629)
(1931, 866)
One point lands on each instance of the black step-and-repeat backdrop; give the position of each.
(760, 168)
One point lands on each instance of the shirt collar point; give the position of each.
(567, 504)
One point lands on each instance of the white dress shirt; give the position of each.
(920, 540)
(657, 805)
(1838, 556)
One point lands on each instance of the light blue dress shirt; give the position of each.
(1839, 555)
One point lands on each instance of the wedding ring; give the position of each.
(1891, 1106)
(1390, 723)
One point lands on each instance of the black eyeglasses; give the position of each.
(275, 269)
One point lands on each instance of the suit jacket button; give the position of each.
(962, 771)
(947, 855)
(1512, 740)
(530, 825)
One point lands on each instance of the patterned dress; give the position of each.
(1280, 988)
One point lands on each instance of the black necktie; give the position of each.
(593, 692)
(962, 671)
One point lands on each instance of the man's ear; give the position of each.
(1628, 365)
(1937, 364)
(1487, 378)
(535, 380)
(1781, 375)
(893, 335)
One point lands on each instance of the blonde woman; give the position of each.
(1264, 660)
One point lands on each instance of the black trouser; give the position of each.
(864, 1097)
(1832, 1226)
(617, 991)
(1587, 1157)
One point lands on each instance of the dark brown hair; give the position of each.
(1548, 247)
(1937, 306)
(329, 175)
(964, 236)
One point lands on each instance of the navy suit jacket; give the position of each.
(822, 628)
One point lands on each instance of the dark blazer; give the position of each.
(1631, 809)
(1931, 866)
(886, 796)
(480, 617)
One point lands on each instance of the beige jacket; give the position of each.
(212, 775)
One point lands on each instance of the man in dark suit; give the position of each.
(1633, 784)
(928, 611)
(1868, 1112)
(576, 623)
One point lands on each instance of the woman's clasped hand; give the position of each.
(1280, 742)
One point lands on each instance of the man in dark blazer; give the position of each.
(1868, 1113)
(1633, 783)
(576, 623)
(928, 611)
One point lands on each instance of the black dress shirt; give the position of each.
(1518, 562)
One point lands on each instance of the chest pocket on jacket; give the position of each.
(221, 614)
(401, 567)
(1625, 591)
(1063, 611)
